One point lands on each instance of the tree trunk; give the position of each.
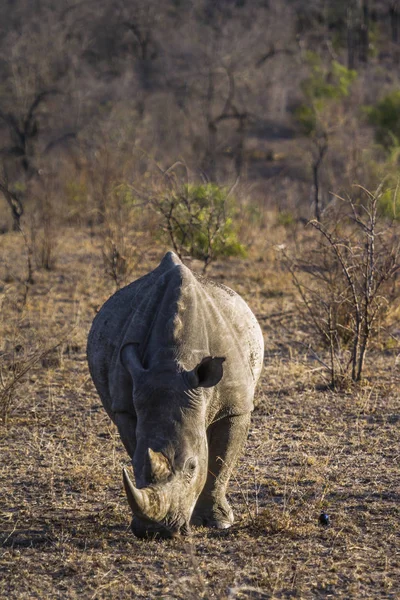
(239, 154)
(351, 42)
(364, 33)
(210, 159)
(17, 210)
(394, 15)
(316, 167)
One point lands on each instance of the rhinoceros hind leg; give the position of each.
(226, 440)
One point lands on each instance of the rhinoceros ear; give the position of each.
(208, 372)
(130, 359)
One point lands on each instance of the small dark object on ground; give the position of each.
(324, 519)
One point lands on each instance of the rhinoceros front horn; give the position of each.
(147, 503)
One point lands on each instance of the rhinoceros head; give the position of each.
(171, 456)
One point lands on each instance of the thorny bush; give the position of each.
(343, 280)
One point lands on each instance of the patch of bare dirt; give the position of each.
(64, 517)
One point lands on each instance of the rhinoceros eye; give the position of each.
(190, 466)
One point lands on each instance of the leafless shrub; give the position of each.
(13, 371)
(119, 248)
(23, 281)
(341, 281)
(45, 243)
(43, 232)
(114, 260)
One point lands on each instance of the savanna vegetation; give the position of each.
(261, 142)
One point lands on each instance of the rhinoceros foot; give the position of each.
(219, 515)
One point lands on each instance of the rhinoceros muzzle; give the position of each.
(144, 529)
(151, 502)
(150, 507)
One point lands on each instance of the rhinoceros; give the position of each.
(175, 358)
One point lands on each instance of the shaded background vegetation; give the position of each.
(286, 95)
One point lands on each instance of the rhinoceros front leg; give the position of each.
(226, 439)
(126, 424)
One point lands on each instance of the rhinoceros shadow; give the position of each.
(82, 531)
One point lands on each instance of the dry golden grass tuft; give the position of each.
(64, 519)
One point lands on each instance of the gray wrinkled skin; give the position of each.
(175, 359)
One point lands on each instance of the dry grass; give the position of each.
(64, 518)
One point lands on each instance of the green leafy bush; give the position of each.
(200, 220)
(323, 87)
(385, 118)
(389, 202)
(285, 218)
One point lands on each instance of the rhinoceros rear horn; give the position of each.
(159, 465)
(208, 372)
(145, 503)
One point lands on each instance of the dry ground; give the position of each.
(64, 519)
